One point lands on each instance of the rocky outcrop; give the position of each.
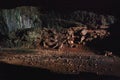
(21, 17)
(31, 28)
(28, 16)
(3, 30)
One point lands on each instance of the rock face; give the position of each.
(3, 29)
(21, 17)
(30, 27)
(92, 20)
(3, 26)
(28, 16)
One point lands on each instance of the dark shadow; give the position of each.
(13, 72)
(111, 43)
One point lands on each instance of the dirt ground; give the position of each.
(65, 61)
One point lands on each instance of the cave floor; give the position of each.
(65, 61)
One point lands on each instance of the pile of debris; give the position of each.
(70, 37)
(50, 38)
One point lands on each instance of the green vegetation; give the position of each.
(24, 38)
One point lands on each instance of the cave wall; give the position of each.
(21, 17)
(28, 17)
